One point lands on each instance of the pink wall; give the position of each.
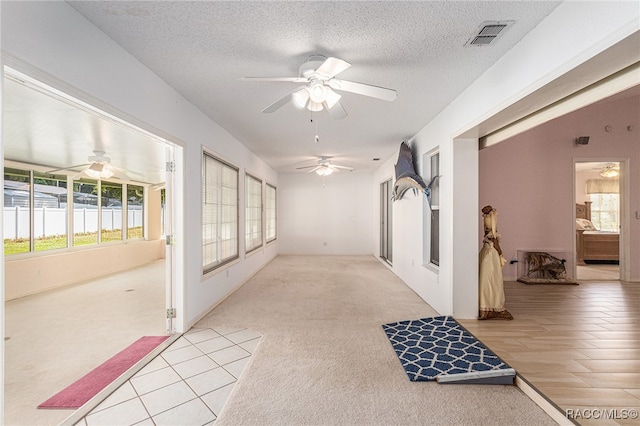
(529, 178)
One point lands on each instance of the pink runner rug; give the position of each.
(76, 394)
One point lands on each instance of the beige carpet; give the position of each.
(325, 360)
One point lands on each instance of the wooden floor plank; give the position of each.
(578, 345)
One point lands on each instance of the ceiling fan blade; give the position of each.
(286, 79)
(332, 66)
(305, 167)
(337, 112)
(117, 173)
(342, 167)
(279, 103)
(314, 169)
(363, 89)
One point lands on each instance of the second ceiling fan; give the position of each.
(325, 167)
(318, 73)
(98, 167)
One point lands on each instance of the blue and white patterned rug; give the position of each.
(439, 346)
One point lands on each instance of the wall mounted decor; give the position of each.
(407, 178)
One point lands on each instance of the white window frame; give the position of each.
(431, 216)
(34, 173)
(219, 220)
(253, 211)
(597, 212)
(270, 213)
(386, 221)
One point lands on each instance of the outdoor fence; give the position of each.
(49, 221)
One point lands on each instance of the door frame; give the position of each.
(175, 273)
(625, 212)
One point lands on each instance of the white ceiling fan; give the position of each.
(318, 73)
(98, 167)
(324, 167)
(610, 170)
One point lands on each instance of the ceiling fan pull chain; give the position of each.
(317, 137)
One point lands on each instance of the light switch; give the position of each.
(637, 215)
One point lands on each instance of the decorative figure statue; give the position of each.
(491, 289)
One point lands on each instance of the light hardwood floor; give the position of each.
(578, 345)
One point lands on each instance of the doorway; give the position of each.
(132, 279)
(598, 214)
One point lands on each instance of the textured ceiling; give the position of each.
(202, 48)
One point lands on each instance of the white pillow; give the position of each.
(585, 225)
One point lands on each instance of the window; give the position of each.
(50, 211)
(605, 212)
(85, 212)
(386, 218)
(253, 213)
(135, 210)
(431, 221)
(17, 211)
(111, 212)
(41, 212)
(219, 213)
(270, 213)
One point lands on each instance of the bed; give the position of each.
(592, 244)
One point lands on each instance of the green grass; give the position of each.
(60, 241)
(16, 246)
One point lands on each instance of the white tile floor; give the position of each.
(187, 384)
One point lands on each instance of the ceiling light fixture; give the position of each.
(315, 97)
(300, 98)
(98, 171)
(318, 91)
(609, 171)
(324, 170)
(332, 98)
(314, 106)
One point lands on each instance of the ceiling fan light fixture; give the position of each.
(609, 171)
(324, 170)
(332, 98)
(319, 73)
(318, 92)
(300, 98)
(314, 106)
(98, 171)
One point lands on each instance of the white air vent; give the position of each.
(488, 32)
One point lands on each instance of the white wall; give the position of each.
(576, 31)
(325, 215)
(51, 41)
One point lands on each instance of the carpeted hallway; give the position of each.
(325, 360)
